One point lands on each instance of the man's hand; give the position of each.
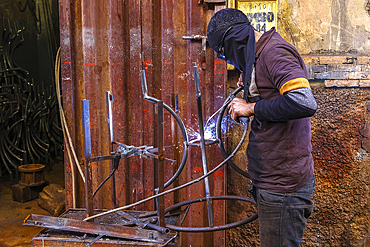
(240, 108)
(240, 81)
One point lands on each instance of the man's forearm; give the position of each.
(295, 104)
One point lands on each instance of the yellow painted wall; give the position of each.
(323, 27)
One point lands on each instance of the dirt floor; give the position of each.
(12, 213)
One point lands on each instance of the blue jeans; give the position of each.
(283, 216)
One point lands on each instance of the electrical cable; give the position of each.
(67, 137)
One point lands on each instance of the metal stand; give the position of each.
(203, 145)
(157, 229)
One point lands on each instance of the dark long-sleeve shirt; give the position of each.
(279, 150)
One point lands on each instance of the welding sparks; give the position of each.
(210, 129)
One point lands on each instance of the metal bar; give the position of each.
(101, 158)
(87, 157)
(140, 222)
(160, 163)
(110, 129)
(94, 240)
(109, 98)
(175, 144)
(203, 145)
(65, 224)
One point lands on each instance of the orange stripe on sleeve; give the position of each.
(295, 83)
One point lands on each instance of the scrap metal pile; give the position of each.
(29, 116)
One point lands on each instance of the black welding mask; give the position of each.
(230, 35)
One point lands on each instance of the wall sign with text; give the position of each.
(262, 14)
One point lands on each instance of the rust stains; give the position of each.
(336, 139)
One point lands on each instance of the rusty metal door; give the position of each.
(104, 45)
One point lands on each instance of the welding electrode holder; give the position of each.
(244, 121)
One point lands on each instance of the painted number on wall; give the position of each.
(262, 14)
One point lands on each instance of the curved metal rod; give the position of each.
(14, 145)
(40, 143)
(7, 167)
(179, 122)
(218, 131)
(11, 144)
(215, 228)
(11, 152)
(8, 159)
(33, 138)
(176, 188)
(30, 148)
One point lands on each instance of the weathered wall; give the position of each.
(333, 37)
(104, 45)
(331, 26)
(340, 216)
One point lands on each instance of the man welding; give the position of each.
(278, 95)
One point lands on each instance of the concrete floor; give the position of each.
(12, 213)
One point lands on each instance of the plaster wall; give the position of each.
(327, 26)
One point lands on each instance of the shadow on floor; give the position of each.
(12, 213)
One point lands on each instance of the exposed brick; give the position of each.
(363, 60)
(365, 68)
(351, 60)
(310, 60)
(341, 83)
(312, 69)
(359, 75)
(334, 75)
(310, 74)
(333, 60)
(344, 67)
(364, 83)
(318, 68)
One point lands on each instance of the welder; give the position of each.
(278, 96)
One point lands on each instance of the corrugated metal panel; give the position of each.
(104, 45)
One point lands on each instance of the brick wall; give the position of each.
(339, 71)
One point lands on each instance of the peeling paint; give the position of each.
(88, 36)
(183, 76)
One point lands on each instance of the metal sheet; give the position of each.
(117, 231)
(104, 45)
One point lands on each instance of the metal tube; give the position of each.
(203, 145)
(87, 157)
(175, 144)
(160, 164)
(110, 128)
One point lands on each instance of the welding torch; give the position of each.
(241, 119)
